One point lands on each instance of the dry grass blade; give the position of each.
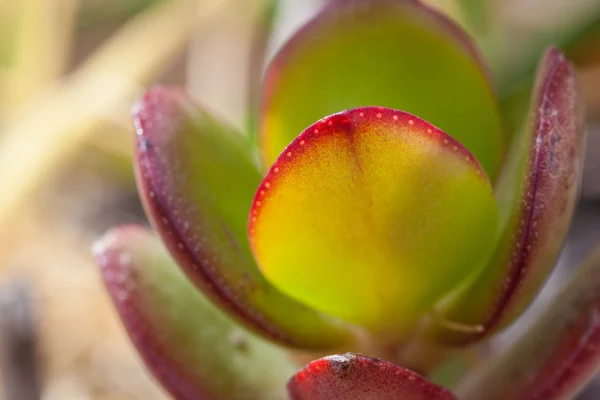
(43, 136)
(45, 33)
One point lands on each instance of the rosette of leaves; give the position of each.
(384, 209)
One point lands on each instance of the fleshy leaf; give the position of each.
(371, 215)
(536, 195)
(356, 377)
(392, 53)
(197, 184)
(557, 356)
(188, 344)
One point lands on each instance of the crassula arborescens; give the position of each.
(390, 214)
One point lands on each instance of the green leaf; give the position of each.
(476, 13)
(391, 53)
(356, 377)
(472, 15)
(189, 345)
(262, 33)
(536, 194)
(557, 356)
(197, 183)
(372, 215)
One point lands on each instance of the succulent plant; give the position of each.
(382, 207)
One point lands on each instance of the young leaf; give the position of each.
(188, 344)
(356, 377)
(536, 196)
(392, 53)
(555, 358)
(371, 215)
(197, 183)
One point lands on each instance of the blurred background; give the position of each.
(70, 71)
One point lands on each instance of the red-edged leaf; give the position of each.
(188, 344)
(536, 194)
(197, 181)
(398, 54)
(372, 215)
(356, 377)
(557, 356)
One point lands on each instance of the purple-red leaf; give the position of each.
(188, 344)
(197, 181)
(536, 194)
(356, 377)
(557, 356)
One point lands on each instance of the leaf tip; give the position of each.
(354, 376)
(115, 260)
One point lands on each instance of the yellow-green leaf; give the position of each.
(392, 53)
(371, 215)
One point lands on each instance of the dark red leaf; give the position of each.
(557, 356)
(353, 376)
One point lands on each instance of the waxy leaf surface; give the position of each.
(356, 377)
(371, 215)
(557, 356)
(536, 195)
(197, 184)
(188, 344)
(392, 53)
